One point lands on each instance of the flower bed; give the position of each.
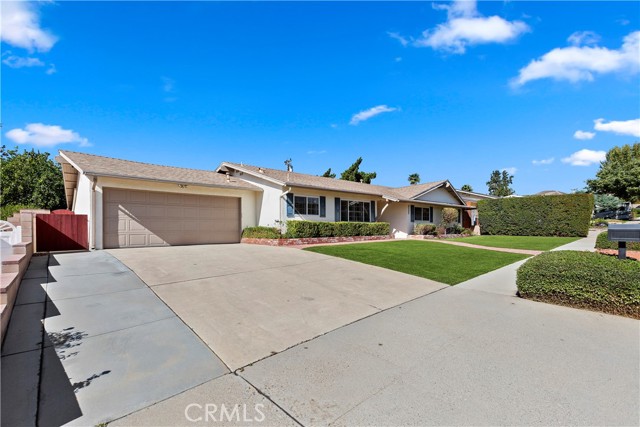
(311, 240)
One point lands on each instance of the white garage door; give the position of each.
(135, 218)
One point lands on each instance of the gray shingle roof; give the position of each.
(319, 182)
(91, 164)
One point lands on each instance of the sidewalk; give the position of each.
(503, 280)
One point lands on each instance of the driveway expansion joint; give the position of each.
(266, 396)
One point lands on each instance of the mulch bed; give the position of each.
(614, 252)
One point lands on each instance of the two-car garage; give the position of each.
(133, 204)
(134, 218)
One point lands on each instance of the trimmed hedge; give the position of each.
(566, 215)
(302, 229)
(583, 280)
(261, 233)
(602, 242)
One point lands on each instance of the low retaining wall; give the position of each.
(429, 237)
(311, 240)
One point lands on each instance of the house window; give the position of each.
(313, 206)
(301, 205)
(422, 214)
(353, 211)
(307, 205)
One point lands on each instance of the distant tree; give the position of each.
(499, 184)
(466, 187)
(619, 174)
(353, 173)
(414, 179)
(607, 201)
(30, 178)
(329, 174)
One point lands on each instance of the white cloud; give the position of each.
(398, 59)
(543, 161)
(585, 157)
(466, 27)
(313, 152)
(371, 112)
(511, 171)
(580, 134)
(582, 38)
(42, 135)
(21, 27)
(52, 69)
(14, 61)
(577, 63)
(628, 127)
(396, 36)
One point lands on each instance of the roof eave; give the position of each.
(171, 181)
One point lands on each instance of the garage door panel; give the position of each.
(138, 239)
(138, 197)
(135, 218)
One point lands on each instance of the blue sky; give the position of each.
(448, 90)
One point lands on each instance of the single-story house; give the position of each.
(133, 204)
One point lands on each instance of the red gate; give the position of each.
(55, 232)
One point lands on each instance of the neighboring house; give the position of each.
(132, 204)
(470, 217)
(550, 193)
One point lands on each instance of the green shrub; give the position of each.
(424, 229)
(261, 233)
(455, 229)
(8, 210)
(602, 242)
(305, 229)
(565, 215)
(584, 280)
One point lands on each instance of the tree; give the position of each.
(329, 174)
(449, 217)
(607, 201)
(619, 174)
(414, 179)
(500, 184)
(466, 187)
(30, 178)
(353, 173)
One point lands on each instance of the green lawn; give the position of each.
(432, 260)
(536, 243)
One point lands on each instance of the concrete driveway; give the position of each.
(248, 302)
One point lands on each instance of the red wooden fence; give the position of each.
(56, 232)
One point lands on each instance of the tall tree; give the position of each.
(466, 187)
(500, 184)
(414, 178)
(353, 173)
(619, 174)
(329, 174)
(30, 178)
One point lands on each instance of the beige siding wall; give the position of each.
(440, 195)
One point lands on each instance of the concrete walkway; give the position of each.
(489, 248)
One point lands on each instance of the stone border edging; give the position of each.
(311, 240)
